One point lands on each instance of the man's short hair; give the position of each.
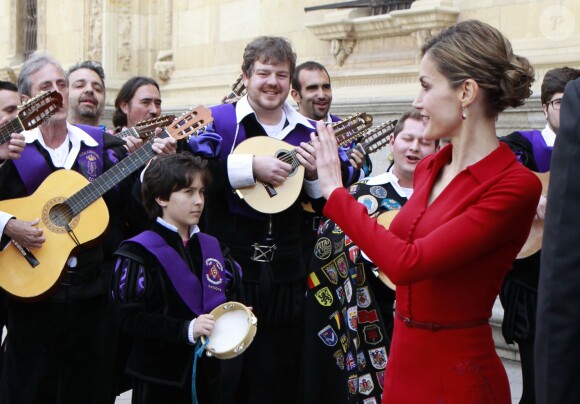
(411, 114)
(169, 173)
(309, 65)
(31, 66)
(268, 50)
(91, 65)
(555, 80)
(7, 85)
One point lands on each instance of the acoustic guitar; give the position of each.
(146, 129)
(72, 212)
(268, 199)
(533, 243)
(385, 219)
(375, 139)
(31, 114)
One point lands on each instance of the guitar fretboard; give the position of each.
(376, 139)
(128, 132)
(12, 126)
(345, 132)
(93, 191)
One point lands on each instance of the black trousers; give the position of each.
(268, 371)
(53, 352)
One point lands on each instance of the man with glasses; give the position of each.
(519, 293)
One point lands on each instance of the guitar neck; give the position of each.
(349, 129)
(12, 126)
(346, 131)
(113, 176)
(128, 132)
(231, 95)
(376, 139)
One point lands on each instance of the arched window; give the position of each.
(30, 24)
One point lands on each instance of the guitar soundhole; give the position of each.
(56, 216)
(60, 215)
(290, 158)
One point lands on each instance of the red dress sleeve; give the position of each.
(502, 213)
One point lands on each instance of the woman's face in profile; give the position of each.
(438, 102)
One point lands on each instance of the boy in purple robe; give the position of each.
(167, 280)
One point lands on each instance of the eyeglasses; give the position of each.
(555, 104)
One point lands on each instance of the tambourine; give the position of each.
(233, 332)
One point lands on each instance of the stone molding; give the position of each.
(164, 65)
(422, 20)
(95, 46)
(125, 28)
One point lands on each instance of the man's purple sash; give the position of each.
(542, 152)
(33, 167)
(201, 297)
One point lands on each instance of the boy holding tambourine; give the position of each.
(167, 280)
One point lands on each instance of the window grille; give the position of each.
(377, 6)
(30, 24)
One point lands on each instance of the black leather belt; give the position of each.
(72, 276)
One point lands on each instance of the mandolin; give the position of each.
(375, 139)
(72, 212)
(31, 114)
(268, 199)
(146, 129)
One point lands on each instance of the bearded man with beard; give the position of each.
(86, 93)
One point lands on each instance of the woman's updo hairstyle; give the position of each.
(475, 50)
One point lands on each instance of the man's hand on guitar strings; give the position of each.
(13, 148)
(167, 145)
(270, 170)
(25, 233)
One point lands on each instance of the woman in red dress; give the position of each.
(451, 245)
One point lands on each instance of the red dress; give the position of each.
(448, 261)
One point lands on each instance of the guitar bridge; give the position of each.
(27, 254)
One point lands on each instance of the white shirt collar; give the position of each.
(192, 231)
(75, 136)
(390, 177)
(549, 136)
(294, 118)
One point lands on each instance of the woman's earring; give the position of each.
(464, 113)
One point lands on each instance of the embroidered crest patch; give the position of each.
(324, 296)
(363, 297)
(328, 336)
(350, 362)
(339, 357)
(372, 334)
(361, 361)
(378, 357)
(366, 384)
(352, 318)
(214, 273)
(370, 202)
(378, 191)
(331, 272)
(323, 248)
(342, 265)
